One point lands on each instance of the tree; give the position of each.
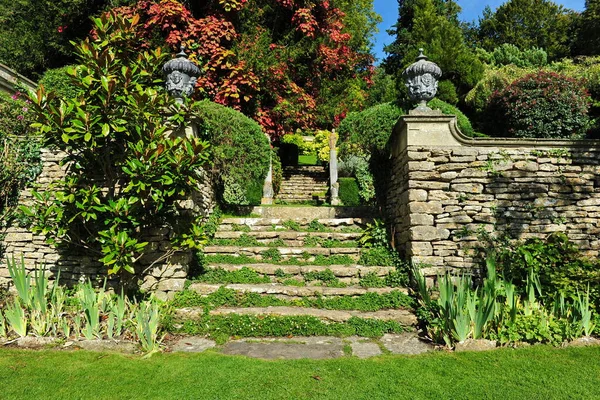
(288, 65)
(528, 24)
(433, 25)
(588, 38)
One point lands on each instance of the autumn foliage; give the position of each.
(288, 64)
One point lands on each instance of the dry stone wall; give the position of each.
(448, 191)
(163, 276)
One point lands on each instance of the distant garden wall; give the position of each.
(448, 191)
(164, 277)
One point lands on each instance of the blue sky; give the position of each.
(471, 11)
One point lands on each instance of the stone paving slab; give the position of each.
(192, 344)
(290, 291)
(364, 348)
(315, 348)
(405, 343)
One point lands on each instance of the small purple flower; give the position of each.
(20, 117)
(25, 109)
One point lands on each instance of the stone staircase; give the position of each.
(303, 183)
(296, 258)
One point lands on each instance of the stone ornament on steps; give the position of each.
(422, 81)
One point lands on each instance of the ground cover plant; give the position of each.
(535, 372)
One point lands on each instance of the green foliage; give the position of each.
(240, 151)
(222, 327)
(326, 277)
(383, 89)
(462, 120)
(374, 235)
(499, 310)
(348, 192)
(528, 24)
(84, 312)
(229, 298)
(57, 80)
(588, 30)
(244, 275)
(20, 161)
(507, 54)
(447, 92)
(557, 261)
(126, 167)
(304, 147)
(542, 105)
(316, 226)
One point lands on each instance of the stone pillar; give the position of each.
(409, 206)
(268, 192)
(333, 170)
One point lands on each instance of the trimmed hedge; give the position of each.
(349, 192)
(240, 152)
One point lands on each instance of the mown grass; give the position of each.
(538, 372)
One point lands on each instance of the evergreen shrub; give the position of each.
(349, 192)
(240, 152)
(57, 80)
(542, 105)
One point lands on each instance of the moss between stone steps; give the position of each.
(221, 328)
(230, 298)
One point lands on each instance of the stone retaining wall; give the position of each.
(447, 190)
(164, 277)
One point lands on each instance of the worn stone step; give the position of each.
(285, 252)
(291, 292)
(287, 235)
(227, 224)
(404, 317)
(340, 271)
(310, 213)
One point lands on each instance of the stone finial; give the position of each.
(422, 81)
(182, 75)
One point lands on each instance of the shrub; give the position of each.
(349, 192)
(461, 119)
(240, 151)
(19, 152)
(447, 92)
(507, 54)
(107, 204)
(57, 80)
(305, 147)
(542, 105)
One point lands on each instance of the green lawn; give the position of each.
(309, 159)
(538, 372)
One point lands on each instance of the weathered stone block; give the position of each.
(430, 207)
(421, 219)
(467, 188)
(427, 233)
(417, 195)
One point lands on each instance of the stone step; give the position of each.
(266, 224)
(267, 237)
(311, 213)
(291, 292)
(285, 252)
(305, 168)
(340, 271)
(404, 317)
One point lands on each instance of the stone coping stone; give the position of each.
(316, 348)
(292, 291)
(405, 317)
(340, 271)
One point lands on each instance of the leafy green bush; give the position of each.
(507, 54)
(305, 147)
(107, 204)
(557, 261)
(349, 192)
(447, 92)
(542, 105)
(57, 80)
(461, 119)
(240, 151)
(19, 152)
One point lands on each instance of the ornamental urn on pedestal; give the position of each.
(422, 81)
(182, 75)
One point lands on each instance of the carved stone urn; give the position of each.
(182, 75)
(422, 81)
